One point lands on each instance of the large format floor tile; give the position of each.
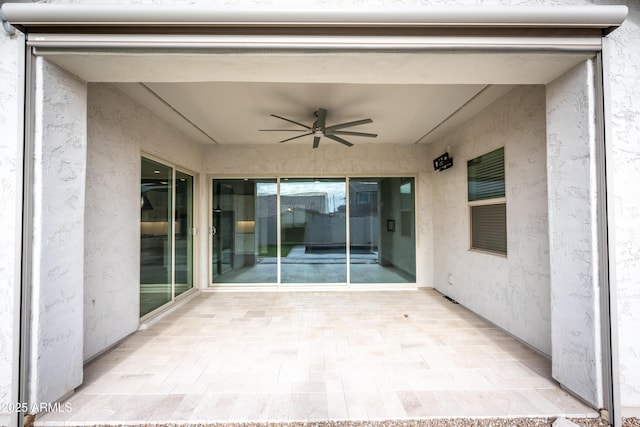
(315, 356)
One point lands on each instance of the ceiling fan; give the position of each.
(320, 129)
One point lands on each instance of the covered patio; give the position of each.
(311, 356)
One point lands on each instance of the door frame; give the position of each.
(212, 286)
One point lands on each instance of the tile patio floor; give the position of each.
(298, 356)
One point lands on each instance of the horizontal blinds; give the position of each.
(486, 176)
(489, 227)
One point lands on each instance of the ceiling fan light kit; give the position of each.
(319, 129)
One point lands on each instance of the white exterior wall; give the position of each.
(512, 291)
(333, 159)
(11, 52)
(573, 233)
(55, 366)
(119, 129)
(623, 174)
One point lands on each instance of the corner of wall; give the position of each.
(58, 233)
(573, 236)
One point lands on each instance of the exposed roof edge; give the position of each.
(24, 16)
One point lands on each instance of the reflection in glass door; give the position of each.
(183, 233)
(221, 232)
(243, 232)
(313, 230)
(166, 238)
(155, 236)
(222, 242)
(381, 229)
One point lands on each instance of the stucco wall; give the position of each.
(623, 167)
(332, 159)
(573, 237)
(11, 213)
(59, 166)
(511, 291)
(118, 130)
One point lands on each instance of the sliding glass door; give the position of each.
(166, 238)
(183, 233)
(156, 226)
(313, 231)
(382, 230)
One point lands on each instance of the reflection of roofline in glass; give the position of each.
(297, 188)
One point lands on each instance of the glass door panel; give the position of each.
(183, 233)
(156, 228)
(381, 230)
(313, 230)
(309, 218)
(244, 237)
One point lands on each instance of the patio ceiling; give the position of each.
(226, 98)
(217, 73)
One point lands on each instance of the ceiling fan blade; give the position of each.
(283, 130)
(295, 137)
(348, 124)
(346, 132)
(291, 121)
(340, 140)
(316, 141)
(322, 118)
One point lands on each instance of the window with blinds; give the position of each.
(487, 204)
(485, 176)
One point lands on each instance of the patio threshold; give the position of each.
(375, 358)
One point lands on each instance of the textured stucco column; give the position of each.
(11, 52)
(573, 245)
(58, 233)
(623, 173)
